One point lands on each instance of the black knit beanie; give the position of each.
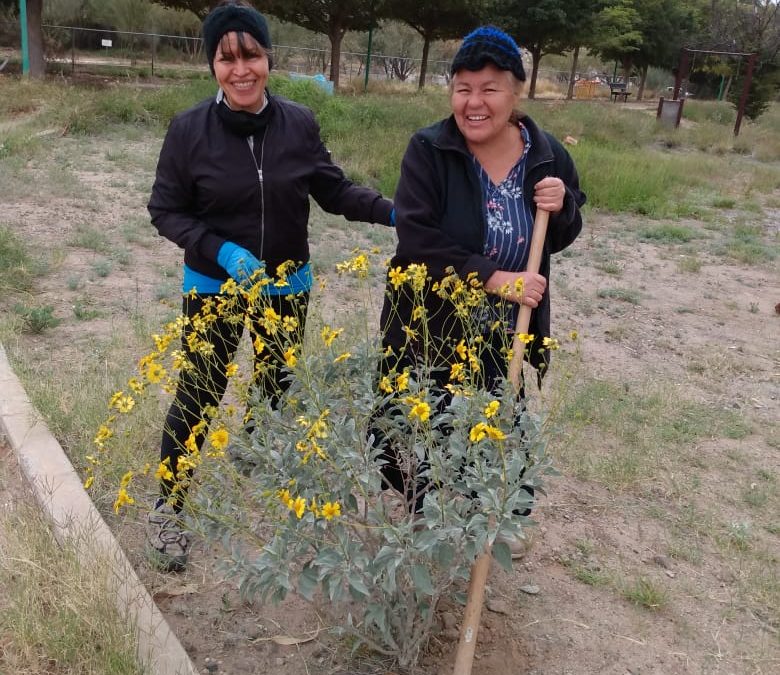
(239, 18)
(488, 44)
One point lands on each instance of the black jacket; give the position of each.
(212, 186)
(440, 220)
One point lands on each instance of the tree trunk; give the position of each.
(536, 55)
(642, 79)
(336, 36)
(35, 37)
(574, 58)
(424, 62)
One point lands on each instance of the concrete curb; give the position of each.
(73, 516)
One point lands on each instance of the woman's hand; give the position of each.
(549, 194)
(524, 288)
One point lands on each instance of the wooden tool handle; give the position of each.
(524, 316)
(467, 644)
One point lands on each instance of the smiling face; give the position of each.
(241, 68)
(482, 102)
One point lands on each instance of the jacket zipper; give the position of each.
(259, 168)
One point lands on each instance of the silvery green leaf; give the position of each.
(307, 582)
(356, 584)
(422, 579)
(502, 555)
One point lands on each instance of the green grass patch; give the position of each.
(646, 593)
(57, 614)
(17, 269)
(622, 435)
(668, 233)
(628, 295)
(748, 244)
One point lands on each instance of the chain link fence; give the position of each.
(74, 49)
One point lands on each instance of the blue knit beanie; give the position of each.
(488, 44)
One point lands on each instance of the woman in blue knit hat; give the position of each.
(469, 189)
(232, 189)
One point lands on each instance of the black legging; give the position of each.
(204, 384)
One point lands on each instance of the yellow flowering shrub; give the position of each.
(310, 468)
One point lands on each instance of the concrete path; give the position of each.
(73, 516)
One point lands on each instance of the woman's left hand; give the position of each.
(549, 193)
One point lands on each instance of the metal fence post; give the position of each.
(73, 51)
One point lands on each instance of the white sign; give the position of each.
(106, 43)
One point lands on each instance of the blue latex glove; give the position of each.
(392, 218)
(237, 261)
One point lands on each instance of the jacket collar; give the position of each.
(450, 138)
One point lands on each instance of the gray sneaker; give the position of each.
(167, 543)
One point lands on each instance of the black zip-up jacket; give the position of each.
(440, 220)
(213, 186)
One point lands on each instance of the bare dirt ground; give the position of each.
(672, 571)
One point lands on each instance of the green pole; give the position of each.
(25, 45)
(368, 58)
(720, 89)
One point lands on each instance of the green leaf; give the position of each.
(422, 579)
(502, 555)
(356, 584)
(308, 580)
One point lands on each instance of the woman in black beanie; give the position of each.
(466, 200)
(232, 189)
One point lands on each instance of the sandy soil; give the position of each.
(709, 336)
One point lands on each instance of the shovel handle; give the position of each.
(467, 644)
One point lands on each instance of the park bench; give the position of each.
(617, 90)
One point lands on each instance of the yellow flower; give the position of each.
(162, 341)
(163, 472)
(136, 385)
(299, 506)
(419, 408)
(551, 343)
(219, 438)
(491, 409)
(331, 510)
(103, 434)
(126, 479)
(329, 335)
(289, 323)
(284, 496)
(461, 350)
(481, 430)
(411, 334)
(385, 385)
(417, 275)
(402, 381)
(270, 320)
(457, 373)
(229, 287)
(418, 313)
(313, 508)
(358, 264)
(88, 482)
(231, 370)
(289, 357)
(342, 357)
(525, 338)
(519, 285)
(397, 277)
(122, 498)
(259, 345)
(155, 373)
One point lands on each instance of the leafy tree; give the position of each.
(198, 7)
(665, 25)
(436, 20)
(618, 36)
(330, 17)
(540, 26)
